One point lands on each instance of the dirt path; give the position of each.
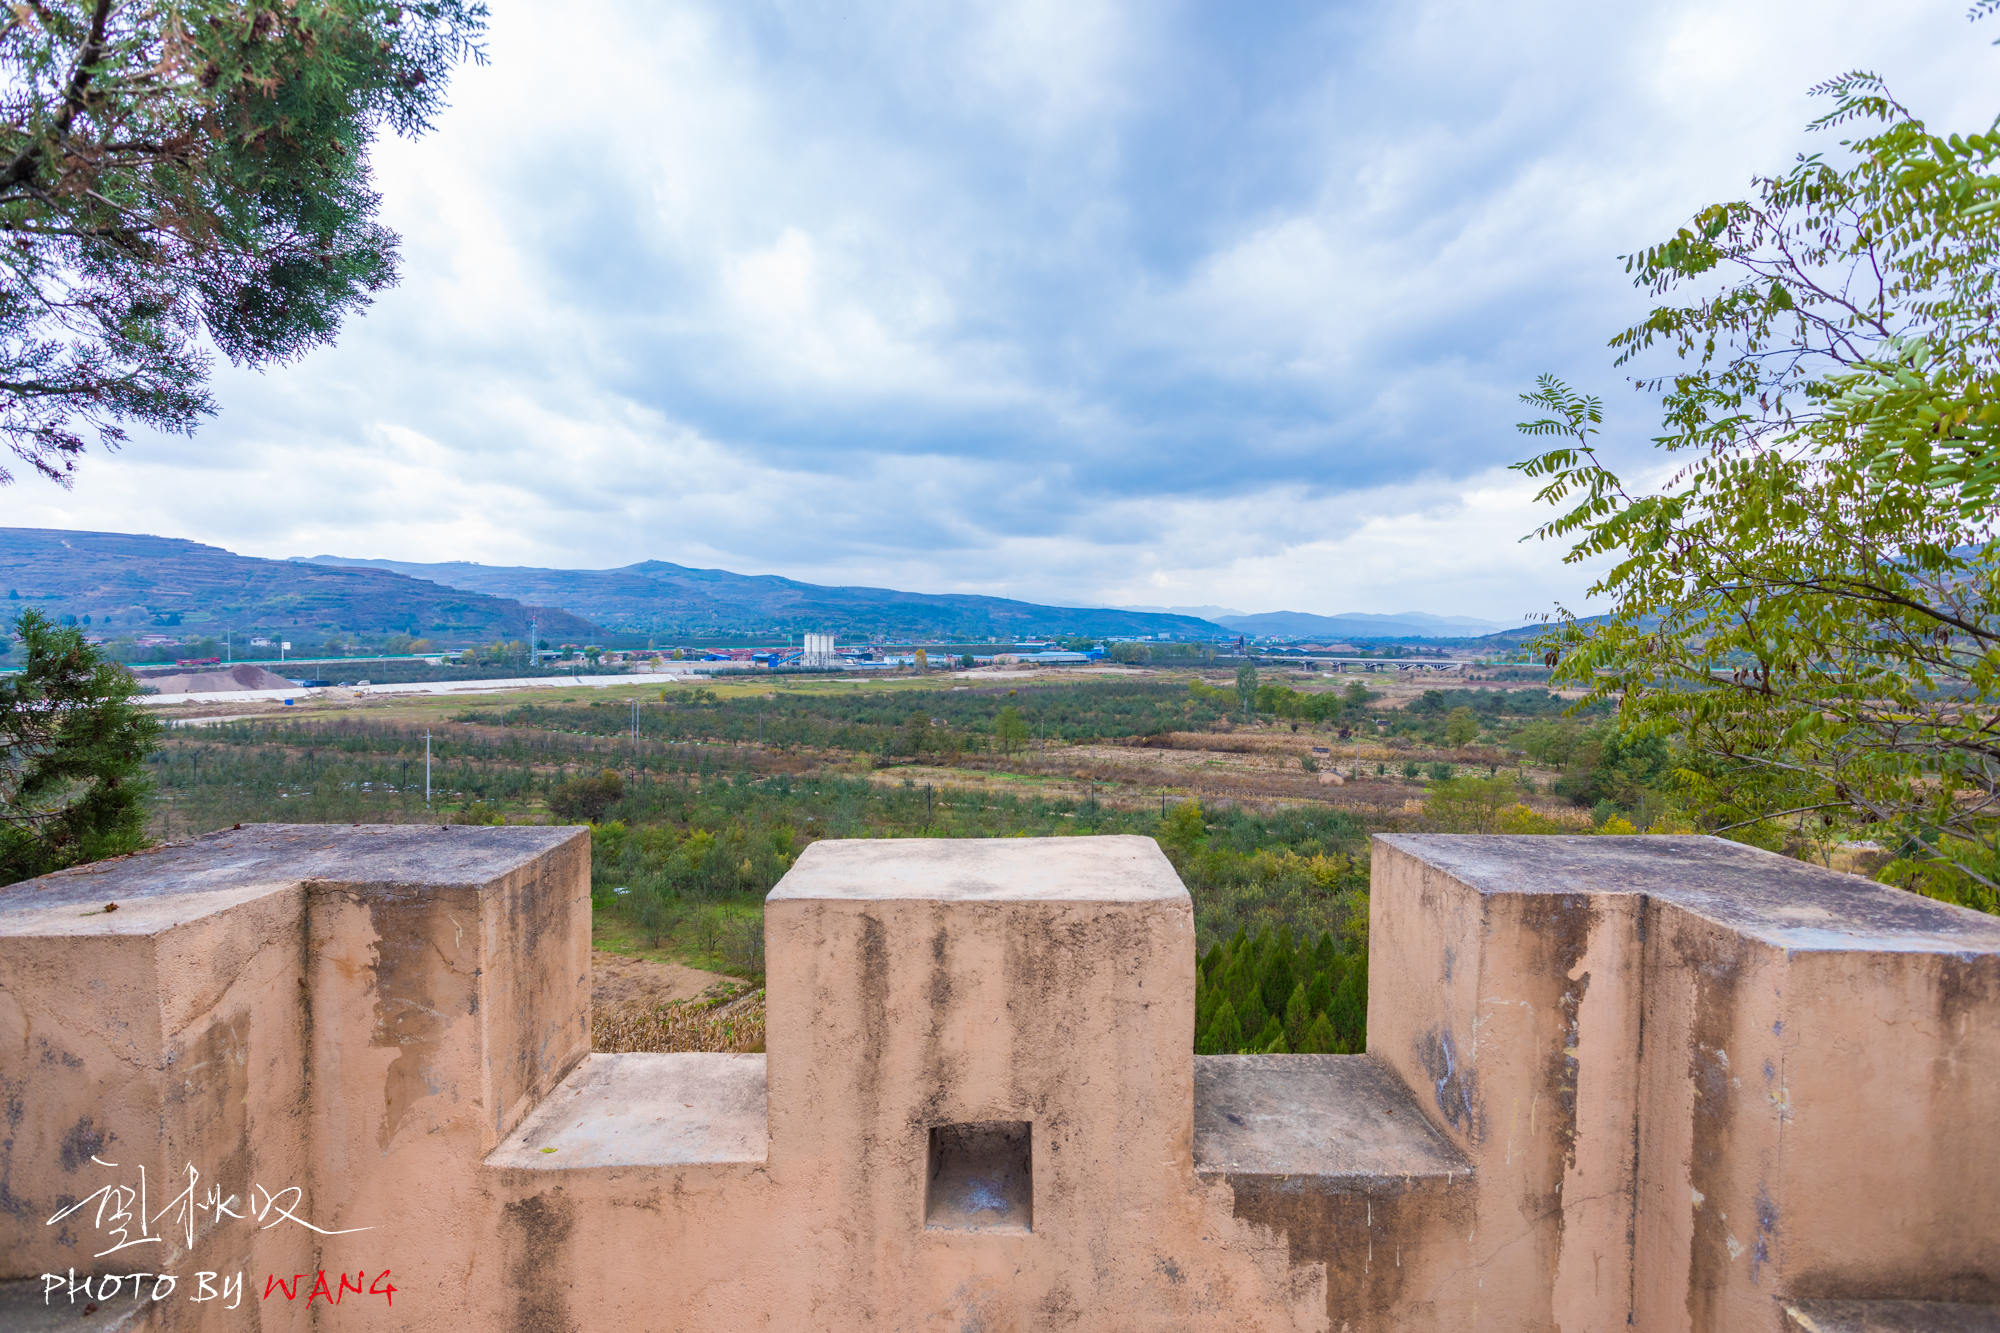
(616, 979)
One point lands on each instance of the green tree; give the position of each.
(1468, 805)
(1246, 688)
(73, 749)
(1319, 1038)
(1356, 694)
(1225, 1032)
(1551, 743)
(1182, 828)
(1279, 973)
(1461, 727)
(1298, 1018)
(1250, 1011)
(1010, 730)
(1320, 993)
(174, 174)
(1271, 1040)
(1809, 605)
(1322, 708)
(584, 800)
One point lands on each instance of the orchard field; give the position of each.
(700, 796)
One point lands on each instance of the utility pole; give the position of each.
(427, 768)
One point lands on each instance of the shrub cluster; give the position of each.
(1263, 995)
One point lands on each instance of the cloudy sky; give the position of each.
(1078, 301)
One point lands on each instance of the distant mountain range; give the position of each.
(138, 585)
(661, 599)
(1361, 625)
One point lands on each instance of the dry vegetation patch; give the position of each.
(617, 978)
(727, 1019)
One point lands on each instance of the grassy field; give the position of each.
(700, 796)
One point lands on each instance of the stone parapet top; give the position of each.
(1115, 869)
(181, 881)
(1344, 1118)
(646, 1110)
(1774, 899)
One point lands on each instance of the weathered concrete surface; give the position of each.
(345, 1012)
(1653, 1083)
(1334, 1153)
(1692, 1076)
(1343, 1118)
(923, 983)
(646, 1110)
(1889, 1317)
(1103, 870)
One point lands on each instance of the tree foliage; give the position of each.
(1010, 729)
(584, 800)
(73, 749)
(1264, 995)
(198, 168)
(1808, 602)
(1246, 689)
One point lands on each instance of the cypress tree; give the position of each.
(1320, 994)
(73, 747)
(1240, 976)
(1326, 952)
(1271, 1040)
(1298, 1017)
(1211, 964)
(1349, 1010)
(1225, 1033)
(1278, 975)
(1252, 1016)
(1264, 943)
(1319, 1038)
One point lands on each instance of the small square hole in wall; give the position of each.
(981, 1178)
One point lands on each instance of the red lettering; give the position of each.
(380, 1287)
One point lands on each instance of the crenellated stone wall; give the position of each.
(1653, 1083)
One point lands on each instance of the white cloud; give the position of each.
(1069, 300)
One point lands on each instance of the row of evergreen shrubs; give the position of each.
(1264, 995)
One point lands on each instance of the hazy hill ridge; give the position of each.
(1361, 625)
(656, 597)
(142, 582)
